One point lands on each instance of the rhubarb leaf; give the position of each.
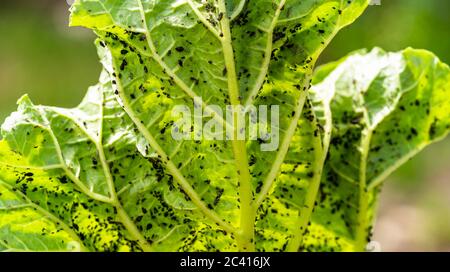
(112, 172)
(161, 54)
(378, 110)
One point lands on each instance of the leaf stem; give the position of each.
(361, 232)
(121, 213)
(284, 147)
(245, 237)
(305, 212)
(203, 19)
(267, 57)
(131, 228)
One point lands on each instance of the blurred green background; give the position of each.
(41, 56)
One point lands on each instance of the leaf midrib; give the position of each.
(267, 57)
(246, 236)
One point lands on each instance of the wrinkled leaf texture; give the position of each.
(108, 176)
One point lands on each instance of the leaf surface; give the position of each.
(378, 110)
(110, 168)
(161, 54)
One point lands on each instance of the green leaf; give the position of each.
(378, 110)
(61, 161)
(108, 175)
(25, 226)
(161, 54)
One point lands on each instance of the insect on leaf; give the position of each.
(109, 176)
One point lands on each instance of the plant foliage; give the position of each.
(108, 176)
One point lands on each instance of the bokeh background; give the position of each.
(54, 64)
